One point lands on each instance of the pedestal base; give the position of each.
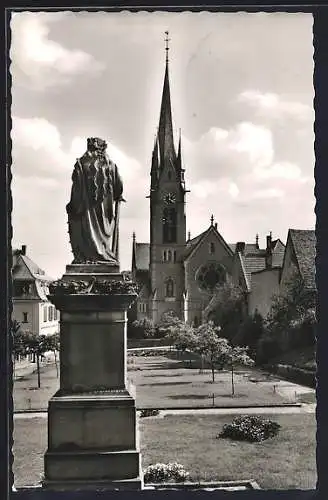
(93, 442)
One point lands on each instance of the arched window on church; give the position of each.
(174, 256)
(169, 255)
(212, 248)
(169, 288)
(169, 225)
(164, 256)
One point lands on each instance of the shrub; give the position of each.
(159, 473)
(149, 412)
(141, 328)
(250, 428)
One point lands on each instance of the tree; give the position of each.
(208, 344)
(219, 352)
(53, 344)
(17, 341)
(290, 313)
(250, 332)
(226, 309)
(183, 337)
(37, 345)
(168, 325)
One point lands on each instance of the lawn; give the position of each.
(26, 394)
(166, 382)
(284, 462)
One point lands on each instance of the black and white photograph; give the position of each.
(163, 251)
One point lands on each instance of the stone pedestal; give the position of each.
(92, 431)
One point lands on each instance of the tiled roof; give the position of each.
(304, 243)
(142, 256)
(249, 247)
(25, 269)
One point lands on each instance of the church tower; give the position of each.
(167, 214)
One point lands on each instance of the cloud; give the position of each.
(44, 62)
(279, 170)
(275, 106)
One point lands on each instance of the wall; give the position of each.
(47, 327)
(21, 306)
(265, 284)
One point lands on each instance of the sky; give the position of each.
(241, 92)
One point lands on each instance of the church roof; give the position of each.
(192, 244)
(165, 129)
(304, 244)
(142, 256)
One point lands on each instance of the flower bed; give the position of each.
(250, 428)
(159, 473)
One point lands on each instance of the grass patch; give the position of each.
(286, 461)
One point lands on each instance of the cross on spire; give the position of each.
(212, 219)
(167, 39)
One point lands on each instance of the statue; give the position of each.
(93, 211)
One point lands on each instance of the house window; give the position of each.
(164, 256)
(175, 256)
(169, 288)
(45, 313)
(50, 313)
(55, 314)
(169, 255)
(212, 248)
(196, 321)
(25, 320)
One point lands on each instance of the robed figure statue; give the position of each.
(93, 211)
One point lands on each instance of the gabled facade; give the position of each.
(31, 307)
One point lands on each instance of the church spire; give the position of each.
(165, 129)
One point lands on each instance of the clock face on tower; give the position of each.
(169, 198)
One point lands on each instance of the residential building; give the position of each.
(31, 307)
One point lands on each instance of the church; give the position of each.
(178, 273)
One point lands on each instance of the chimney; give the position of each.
(257, 241)
(23, 250)
(240, 247)
(268, 253)
(216, 226)
(269, 242)
(189, 235)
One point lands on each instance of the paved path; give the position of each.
(305, 408)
